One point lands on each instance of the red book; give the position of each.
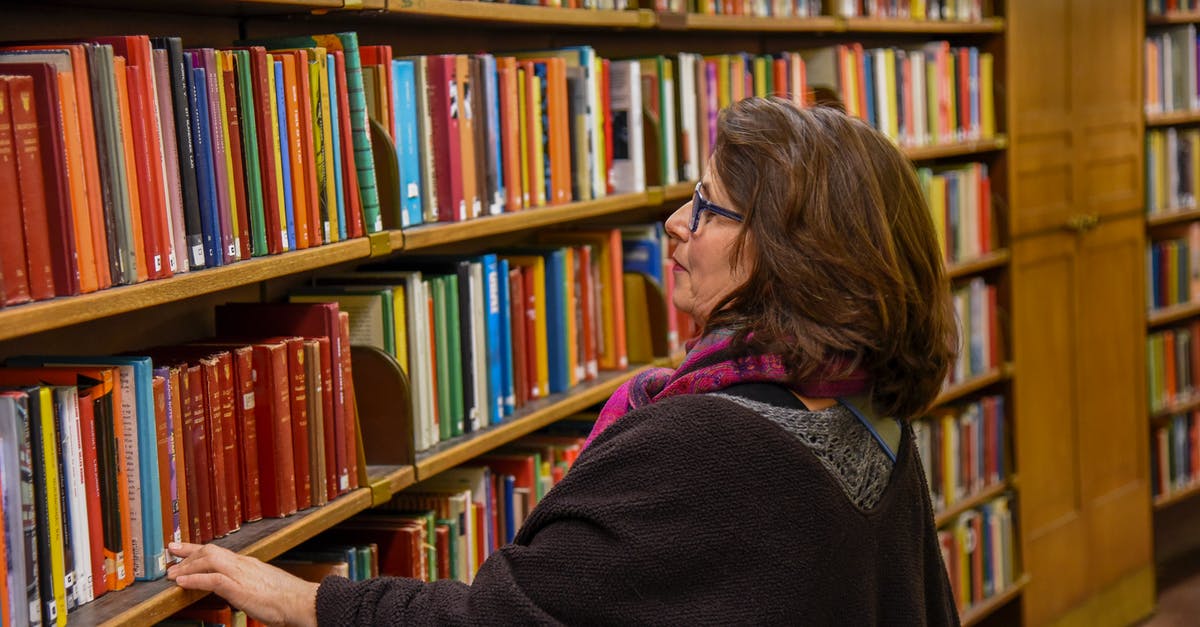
(531, 375)
(327, 402)
(153, 211)
(354, 214)
(213, 424)
(229, 74)
(351, 411)
(88, 396)
(298, 379)
(516, 299)
(308, 320)
(230, 450)
(263, 104)
(161, 438)
(200, 462)
(585, 295)
(443, 550)
(246, 422)
(12, 249)
(510, 129)
(447, 159)
(40, 212)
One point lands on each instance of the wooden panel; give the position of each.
(1044, 314)
(1038, 77)
(1113, 435)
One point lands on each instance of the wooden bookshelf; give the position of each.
(970, 502)
(700, 22)
(922, 27)
(532, 417)
(438, 234)
(989, 261)
(1174, 18)
(1172, 216)
(1174, 313)
(527, 15)
(146, 603)
(679, 191)
(1172, 117)
(69, 310)
(1164, 501)
(956, 149)
(976, 613)
(974, 384)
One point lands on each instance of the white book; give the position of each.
(76, 490)
(479, 356)
(690, 149)
(670, 126)
(884, 98)
(629, 159)
(919, 133)
(12, 431)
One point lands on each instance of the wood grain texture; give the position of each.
(931, 27)
(523, 14)
(990, 261)
(970, 502)
(956, 149)
(977, 613)
(1172, 118)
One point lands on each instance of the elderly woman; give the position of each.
(773, 477)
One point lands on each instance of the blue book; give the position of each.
(337, 156)
(988, 513)
(284, 151)
(510, 522)
(868, 61)
(492, 302)
(642, 251)
(137, 372)
(973, 86)
(540, 74)
(506, 347)
(205, 182)
(407, 146)
(496, 202)
(556, 319)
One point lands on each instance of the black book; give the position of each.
(181, 108)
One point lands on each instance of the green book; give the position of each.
(372, 319)
(442, 354)
(455, 349)
(364, 161)
(453, 524)
(254, 189)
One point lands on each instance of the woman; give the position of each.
(761, 482)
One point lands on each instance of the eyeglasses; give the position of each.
(701, 204)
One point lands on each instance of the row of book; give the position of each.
(479, 337)
(932, 10)
(1171, 7)
(964, 450)
(136, 158)
(758, 8)
(1173, 270)
(1172, 362)
(1170, 58)
(960, 200)
(1175, 454)
(980, 348)
(978, 550)
(1172, 169)
(125, 454)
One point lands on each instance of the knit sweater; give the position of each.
(696, 509)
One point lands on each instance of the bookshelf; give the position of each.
(1170, 214)
(971, 502)
(976, 614)
(224, 20)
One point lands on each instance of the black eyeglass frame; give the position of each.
(701, 204)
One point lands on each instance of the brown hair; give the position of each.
(844, 262)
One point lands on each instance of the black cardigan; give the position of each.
(693, 510)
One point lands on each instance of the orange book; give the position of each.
(299, 188)
(466, 135)
(178, 385)
(131, 179)
(560, 124)
(510, 128)
(304, 98)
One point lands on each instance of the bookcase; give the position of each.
(1171, 119)
(180, 308)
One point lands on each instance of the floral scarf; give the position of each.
(708, 367)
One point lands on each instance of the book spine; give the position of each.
(217, 135)
(247, 426)
(233, 143)
(251, 164)
(214, 430)
(179, 261)
(364, 161)
(12, 252)
(202, 506)
(327, 409)
(164, 411)
(351, 414)
(206, 185)
(230, 450)
(285, 161)
(32, 187)
(52, 576)
(298, 378)
(88, 406)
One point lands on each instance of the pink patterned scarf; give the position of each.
(708, 367)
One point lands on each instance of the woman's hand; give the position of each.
(264, 592)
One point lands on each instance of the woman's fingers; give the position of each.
(183, 549)
(209, 582)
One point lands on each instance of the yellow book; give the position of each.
(724, 93)
(538, 263)
(937, 204)
(987, 100)
(639, 343)
(737, 78)
(225, 64)
(850, 61)
(892, 93)
(574, 366)
(952, 81)
(917, 9)
(949, 459)
(278, 153)
(600, 182)
(318, 80)
(400, 325)
(49, 453)
(537, 169)
(760, 77)
(522, 123)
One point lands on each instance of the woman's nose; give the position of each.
(677, 223)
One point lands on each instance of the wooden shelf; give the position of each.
(956, 149)
(69, 310)
(989, 261)
(976, 613)
(437, 234)
(1172, 216)
(467, 10)
(1173, 18)
(979, 498)
(930, 27)
(1174, 313)
(700, 22)
(1167, 500)
(1180, 406)
(532, 417)
(974, 384)
(678, 191)
(1172, 117)
(146, 603)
